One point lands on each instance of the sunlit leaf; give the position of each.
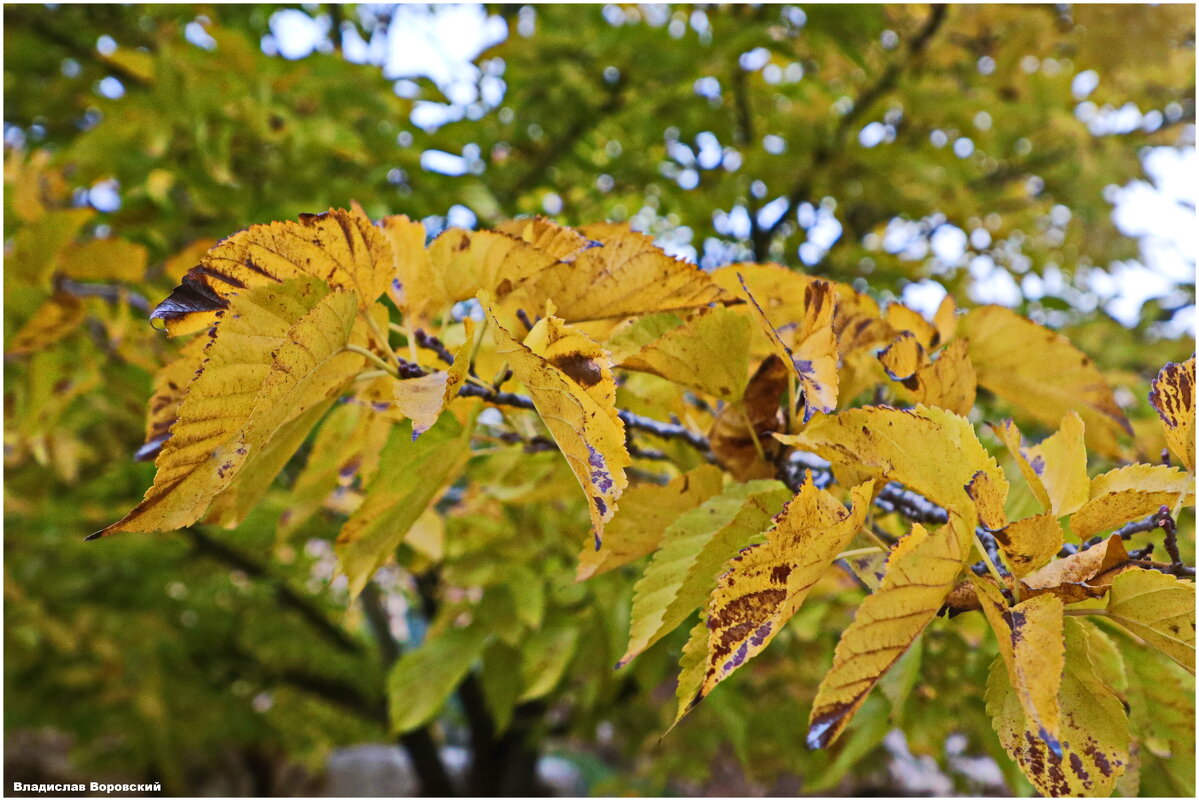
(424, 398)
(1029, 543)
(1086, 574)
(1055, 468)
(1030, 636)
(1131, 492)
(708, 353)
(338, 247)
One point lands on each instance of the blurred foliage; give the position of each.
(736, 131)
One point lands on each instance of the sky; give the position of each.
(1159, 210)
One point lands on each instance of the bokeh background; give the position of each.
(1039, 157)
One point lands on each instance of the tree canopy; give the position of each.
(764, 352)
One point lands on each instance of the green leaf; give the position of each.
(1158, 608)
(411, 476)
(423, 679)
(695, 548)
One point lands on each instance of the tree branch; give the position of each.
(885, 83)
(289, 597)
(420, 745)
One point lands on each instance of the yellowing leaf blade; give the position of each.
(921, 572)
(1173, 396)
(1158, 608)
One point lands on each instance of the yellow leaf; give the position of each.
(945, 319)
(412, 473)
(921, 572)
(739, 431)
(645, 512)
(1094, 728)
(338, 247)
(423, 399)
(1058, 380)
(903, 357)
(989, 495)
(694, 549)
(624, 276)
(170, 386)
(278, 354)
(1029, 543)
(105, 260)
(766, 584)
(177, 266)
(903, 318)
(417, 291)
(37, 245)
(948, 382)
(708, 353)
(1030, 636)
(932, 451)
(570, 380)
(545, 235)
(1173, 395)
(692, 666)
(56, 318)
(1056, 469)
(813, 359)
(466, 262)
(1083, 575)
(1129, 492)
(1158, 608)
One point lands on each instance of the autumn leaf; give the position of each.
(56, 318)
(570, 380)
(1094, 728)
(424, 398)
(904, 318)
(989, 494)
(624, 276)
(1158, 608)
(1059, 380)
(1130, 492)
(1030, 636)
(948, 381)
(645, 512)
(708, 353)
(767, 583)
(930, 450)
(278, 353)
(465, 262)
(739, 433)
(170, 386)
(813, 356)
(1029, 543)
(338, 247)
(412, 473)
(1056, 468)
(105, 260)
(546, 235)
(692, 667)
(694, 549)
(1173, 395)
(903, 356)
(921, 571)
(1082, 575)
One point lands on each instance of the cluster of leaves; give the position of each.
(615, 112)
(763, 369)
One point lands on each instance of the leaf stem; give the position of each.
(991, 568)
(374, 358)
(379, 335)
(858, 552)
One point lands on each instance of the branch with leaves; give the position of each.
(780, 482)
